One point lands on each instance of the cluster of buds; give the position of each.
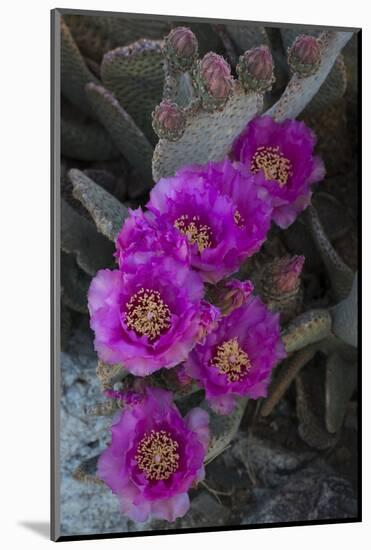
(255, 69)
(304, 56)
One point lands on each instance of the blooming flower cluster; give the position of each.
(151, 312)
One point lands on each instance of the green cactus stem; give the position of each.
(308, 328)
(340, 274)
(341, 381)
(345, 317)
(310, 408)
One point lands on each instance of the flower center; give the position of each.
(195, 231)
(238, 219)
(273, 163)
(156, 455)
(147, 313)
(230, 359)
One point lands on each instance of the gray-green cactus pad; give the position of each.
(300, 91)
(208, 135)
(246, 37)
(107, 212)
(135, 75)
(74, 72)
(86, 141)
(80, 237)
(126, 135)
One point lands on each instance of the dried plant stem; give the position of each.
(216, 493)
(280, 386)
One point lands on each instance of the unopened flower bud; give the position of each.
(304, 56)
(255, 69)
(181, 47)
(286, 273)
(230, 295)
(168, 120)
(214, 81)
(280, 285)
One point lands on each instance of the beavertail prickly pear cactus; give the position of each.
(202, 254)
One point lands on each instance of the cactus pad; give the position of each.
(208, 135)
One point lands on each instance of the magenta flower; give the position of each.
(150, 315)
(144, 234)
(283, 153)
(251, 202)
(155, 457)
(238, 357)
(219, 211)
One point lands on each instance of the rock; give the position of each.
(85, 508)
(311, 494)
(269, 464)
(89, 508)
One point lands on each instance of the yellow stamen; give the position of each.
(238, 219)
(147, 313)
(273, 163)
(195, 232)
(156, 455)
(230, 359)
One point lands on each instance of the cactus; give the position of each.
(155, 83)
(256, 69)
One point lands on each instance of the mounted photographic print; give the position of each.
(205, 236)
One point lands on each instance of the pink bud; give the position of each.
(232, 294)
(255, 69)
(259, 62)
(216, 74)
(182, 376)
(305, 55)
(285, 273)
(181, 46)
(168, 120)
(183, 41)
(306, 49)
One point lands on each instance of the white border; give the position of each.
(25, 92)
